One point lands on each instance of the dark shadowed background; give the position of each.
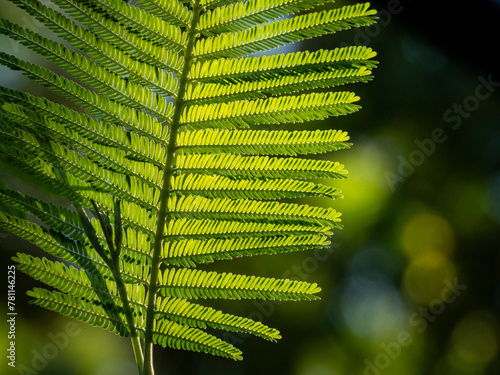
(411, 284)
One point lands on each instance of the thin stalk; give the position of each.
(165, 194)
(113, 263)
(134, 337)
(120, 285)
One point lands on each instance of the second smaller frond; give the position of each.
(58, 218)
(81, 309)
(69, 280)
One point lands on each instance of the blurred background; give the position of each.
(411, 284)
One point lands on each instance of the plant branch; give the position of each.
(134, 337)
(165, 193)
(113, 263)
(120, 285)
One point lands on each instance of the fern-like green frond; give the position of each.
(174, 335)
(173, 12)
(206, 228)
(101, 52)
(95, 103)
(91, 73)
(194, 284)
(286, 109)
(84, 169)
(155, 139)
(108, 157)
(167, 333)
(58, 218)
(244, 209)
(187, 253)
(268, 67)
(79, 283)
(214, 93)
(224, 187)
(69, 280)
(251, 142)
(47, 177)
(183, 312)
(240, 15)
(276, 34)
(81, 309)
(260, 166)
(118, 35)
(98, 131)
(55, 244)
(147, 25)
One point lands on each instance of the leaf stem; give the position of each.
(134, 337)
(165, 193)
(113, 262)
(120, 285)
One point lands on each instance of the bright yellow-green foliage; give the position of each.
(166, 161)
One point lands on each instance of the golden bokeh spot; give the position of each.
(365, 189)
(427, 233)
(424, 278)
(475, 339)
